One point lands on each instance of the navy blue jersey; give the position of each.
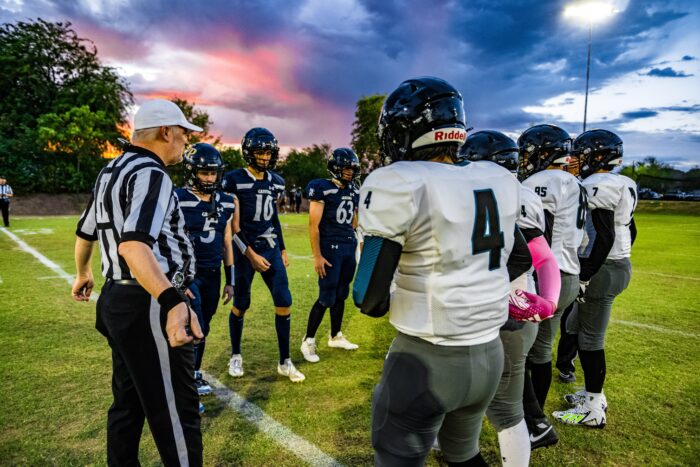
(339, 205)
(206, 227)
(257, 201)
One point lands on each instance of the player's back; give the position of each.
(615, 193)
(456, 226)
(563, 196)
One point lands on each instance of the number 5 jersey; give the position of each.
(456, 227)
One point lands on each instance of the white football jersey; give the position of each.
(456, 226)
(564, 196)
(615, 193)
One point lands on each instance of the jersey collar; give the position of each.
(269, 175)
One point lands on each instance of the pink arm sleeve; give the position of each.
(548, 278)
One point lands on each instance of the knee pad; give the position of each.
(326, 298)
(281, 298)
(242, 302)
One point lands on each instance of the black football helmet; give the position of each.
(422, 112)
(490, 145)
(542, 146)
(257, 139)
(201, 157)
(597, 150)
(341, 159)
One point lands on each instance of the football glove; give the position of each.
(524, 306)
(582, 286)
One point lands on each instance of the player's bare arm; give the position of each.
(315, 215)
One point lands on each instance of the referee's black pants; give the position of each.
(150, 380)
(5, 207)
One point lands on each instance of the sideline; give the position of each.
(653, 327)
(282, 435)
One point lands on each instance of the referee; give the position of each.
(147, 260)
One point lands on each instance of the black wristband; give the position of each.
(228, 271)
(170, 298)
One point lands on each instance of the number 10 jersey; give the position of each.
(456, 226)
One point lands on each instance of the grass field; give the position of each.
(55, 368)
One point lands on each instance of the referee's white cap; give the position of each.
(160, 112)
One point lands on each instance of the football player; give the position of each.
(605, 267)
(449, 230)
(544, 151)
(208, 214)
(506, 411)
(332, 220)
(259, 245)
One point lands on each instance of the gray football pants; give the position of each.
(541, 351)
(590, 319)
(506, 408)
(426, 389)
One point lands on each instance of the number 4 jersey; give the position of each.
(339, 206)
(256, 201)
(456, 226)
(564, 199)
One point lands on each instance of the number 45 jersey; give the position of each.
(256, 200)
(564, 200)
(339, 206)
(456, 226)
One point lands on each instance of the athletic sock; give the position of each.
(337, 312)
(593, 364)
(315, 318)
(541, 374)
(235, 329)
(515, 445)
(198, 354)
(531, 406)
(282, 328)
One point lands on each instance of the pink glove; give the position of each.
(524, 306)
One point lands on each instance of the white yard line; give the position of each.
(282, 435)
(653, 327)
(670, 276)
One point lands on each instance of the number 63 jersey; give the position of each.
(339, 204)
(456, 226)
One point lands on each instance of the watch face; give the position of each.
(178, 280)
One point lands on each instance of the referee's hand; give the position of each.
(82, 288)
(176, 326)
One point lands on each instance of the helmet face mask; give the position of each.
(200, 159)
(421, 113)
(344, 161)
(541, 147)
(256, 145)
(598, 150)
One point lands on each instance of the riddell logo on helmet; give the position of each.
(453, 135)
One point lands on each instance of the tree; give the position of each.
(200, 118)
(364, 130)
(49, 75)
(233, 158)
(300, 167)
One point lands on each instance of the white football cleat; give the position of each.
(340, 342)
(586, 414)
(308, 350)
(579, 397)
(289, 370)
(235, 366)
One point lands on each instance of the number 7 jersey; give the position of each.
(456, 226)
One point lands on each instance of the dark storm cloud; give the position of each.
(667, 72)
(639, 114)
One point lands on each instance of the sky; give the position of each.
(298, 67)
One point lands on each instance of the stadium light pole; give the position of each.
(590, 12)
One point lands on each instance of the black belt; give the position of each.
(125, 282)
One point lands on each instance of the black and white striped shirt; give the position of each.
(5, 190)
(133, 199)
